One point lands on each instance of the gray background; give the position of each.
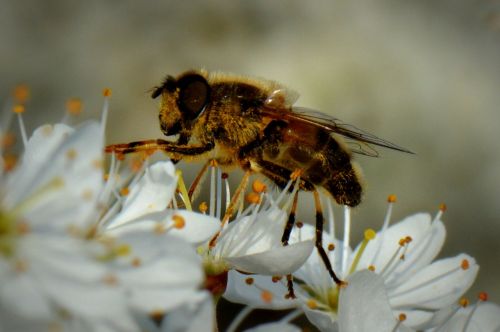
(423, 74)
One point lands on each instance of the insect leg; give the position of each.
(172, 149)
(197, 180)
(284, 240)
(319, 239)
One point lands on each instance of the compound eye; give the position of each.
(194, 94)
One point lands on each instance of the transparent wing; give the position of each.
(359, 141)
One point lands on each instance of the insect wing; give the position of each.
(358, 140)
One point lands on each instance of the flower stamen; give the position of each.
(369, 235)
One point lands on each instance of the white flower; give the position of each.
(50, 278)
(401, 254)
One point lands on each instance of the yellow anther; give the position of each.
(331, 247)
(213, 163)
(371, 268)
(299, 224)
(463, 302)
(402, 242)
(370, 234)
(483, 296)
(259, 186)
(21, 93)
(249, 281)
(74, 106)
(465, 264)
(71, 154)
(252, 198)
(203, 207)
(391, 198)
(106, 92)
(266, 296)
(159, 229)
(124, 191)
(402, 317)
(408, 239)
(18, 109)
(179, 221)
(312, 304)
(122, 250)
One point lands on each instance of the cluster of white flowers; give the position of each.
(84, 249)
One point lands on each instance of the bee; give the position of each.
(253, 124)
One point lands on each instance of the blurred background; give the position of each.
(424, 75)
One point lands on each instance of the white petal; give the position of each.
(485, 319)
(272, 327)
(324, 321)
(364, 305)
(238, 291)
(198, 228)
(427, 240)
(437, 285)
(152, 193)
(277, 261)
(192, 317)
(72, 159)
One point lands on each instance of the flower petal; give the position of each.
(239, 291)
(272, 327)
(276, 261)
(364, 305)
(437, 285)
(152, 193)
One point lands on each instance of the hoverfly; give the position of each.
(252, 123)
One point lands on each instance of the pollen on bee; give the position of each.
(74, 106)
(179, 221)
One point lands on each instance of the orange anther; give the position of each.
(74, 106)
(203, 207)
(483, 296)
(252, 198)
(463, 302)
(21, 93)
(295, 174)
(371, 268)
(331, 247)
(276, 278)
(124, 191)
(312, 304)
(18, 109)
(249, 281)
(443, 207)
(106, 92)
(179, 221)
(465, 264)
(391, 198)
(266, 296)
(259, 186)
(402, 317)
